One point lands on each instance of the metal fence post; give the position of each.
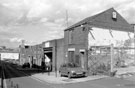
(56, 58)
(112, 57)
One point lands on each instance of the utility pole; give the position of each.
(67, 18)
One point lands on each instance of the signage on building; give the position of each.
(47, 44)
(71, 49)
(82, 50)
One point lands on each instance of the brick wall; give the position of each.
(78, 41)
(60, 52)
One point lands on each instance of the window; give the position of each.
(71, 56)
(114, 16)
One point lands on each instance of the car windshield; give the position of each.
(72, 65)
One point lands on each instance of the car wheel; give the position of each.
(69, 75)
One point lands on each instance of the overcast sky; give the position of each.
(36, 21)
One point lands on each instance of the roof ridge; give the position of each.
(85, 20)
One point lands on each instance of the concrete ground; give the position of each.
(43, 80)
(126, 71)
(51, 78)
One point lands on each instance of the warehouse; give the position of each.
(54, 51)
(36, 54)
(103, 29)
(92, 36)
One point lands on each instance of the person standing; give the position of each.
(47, 63)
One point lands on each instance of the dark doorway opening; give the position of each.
(77, 60)
(82, 59)
(48, 58)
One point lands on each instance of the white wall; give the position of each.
(104, 37)
(9, 56)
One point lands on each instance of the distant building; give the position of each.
(53, 49)
(9, 54)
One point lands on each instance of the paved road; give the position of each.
(19, 79)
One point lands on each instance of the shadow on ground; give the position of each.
(11, 70)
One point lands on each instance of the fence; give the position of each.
(100, 58)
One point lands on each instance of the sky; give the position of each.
(36, 21)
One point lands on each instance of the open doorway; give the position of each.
(48, 58)
(48, 61)
(82, 59)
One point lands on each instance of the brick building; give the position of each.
(53, 49)
(103, 29)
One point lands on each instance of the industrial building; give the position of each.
(100, 30)
(53, 49)
(103, 29)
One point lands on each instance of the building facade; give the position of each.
(95, 33)
(36, 54)
(9, 55)
(103, 29)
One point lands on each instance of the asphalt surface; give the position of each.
(21, 79)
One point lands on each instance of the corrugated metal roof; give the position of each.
(104, 20)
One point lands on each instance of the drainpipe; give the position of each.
(87, 46)
(134, 41)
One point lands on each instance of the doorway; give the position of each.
(48, 59)
(82, 59)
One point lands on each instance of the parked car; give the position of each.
(72, 70)
(35, 66)
(26, 65)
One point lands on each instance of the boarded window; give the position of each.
(71, 56)
(77, 60)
